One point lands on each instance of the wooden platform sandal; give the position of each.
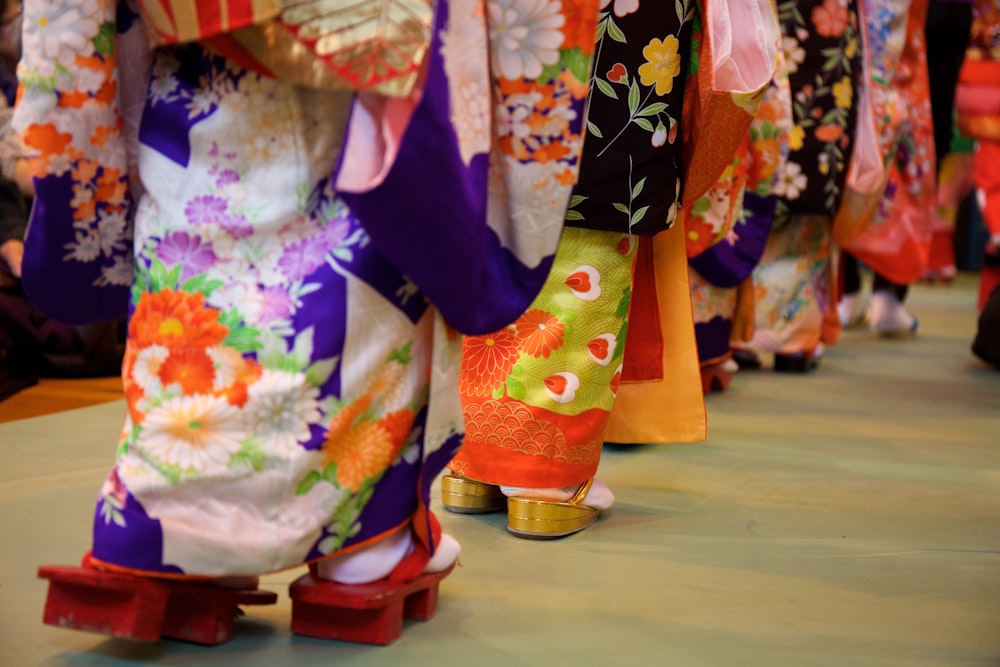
(144, 608)
(362, 613)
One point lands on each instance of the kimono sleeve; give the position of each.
(78, 259)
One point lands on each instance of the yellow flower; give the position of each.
(843, 93)
(662, 64)
(852, 48)
(796, 137)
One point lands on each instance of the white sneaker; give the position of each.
(887, 316)
(851, 310)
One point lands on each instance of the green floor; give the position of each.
(848, 517)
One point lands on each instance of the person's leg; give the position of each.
(850, 308)
(887, 314)
(883, 284)
(793, 290)
(947, 34)
(537, 395)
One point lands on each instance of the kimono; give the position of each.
(977, 101)
(725, 249)
(537, 395)
(541, 420)
(822, 49)
(293, 272)
(896, 244)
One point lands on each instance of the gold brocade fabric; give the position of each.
(373, 45)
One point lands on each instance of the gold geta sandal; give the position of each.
(549, 519)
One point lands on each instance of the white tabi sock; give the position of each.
(599, 497)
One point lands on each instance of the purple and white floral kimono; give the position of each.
(296, 254)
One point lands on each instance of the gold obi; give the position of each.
(375, 45)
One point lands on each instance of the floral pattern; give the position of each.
(897, 242)
(822, 51)
(70, 64)
(279, 364)
(529, 35)
(225, 375)
(554, 371)
(736, 236)
(636, 101)
(792, 285)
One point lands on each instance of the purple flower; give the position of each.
(277, 305)
(204, 209)
(335, 232)
(236, 225)
(226, 177)
(303, 257)
(113, 487)
(189, 251)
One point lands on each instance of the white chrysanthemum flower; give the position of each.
(86, 248)
(111, 231)
(792, 181)
(194, 433)
(166, 63)
(525, 36)
(146, 371)
(391, 385)
(280, 408)
(162, 87)
(56, 32)
(121, 272)
(227, 362)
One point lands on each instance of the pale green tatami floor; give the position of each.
(848, 517)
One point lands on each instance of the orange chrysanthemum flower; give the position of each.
(174, 318)
(189, 367)
(580, 27)
(237, 393)
(487, 361)
(360, 453)
(700, 236)
(344, 420)
(540, 332)
(577, 89)
(398, 425)
(134, 394)
(767, 155)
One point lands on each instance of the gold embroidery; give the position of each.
(375, 45)
(512, 426)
